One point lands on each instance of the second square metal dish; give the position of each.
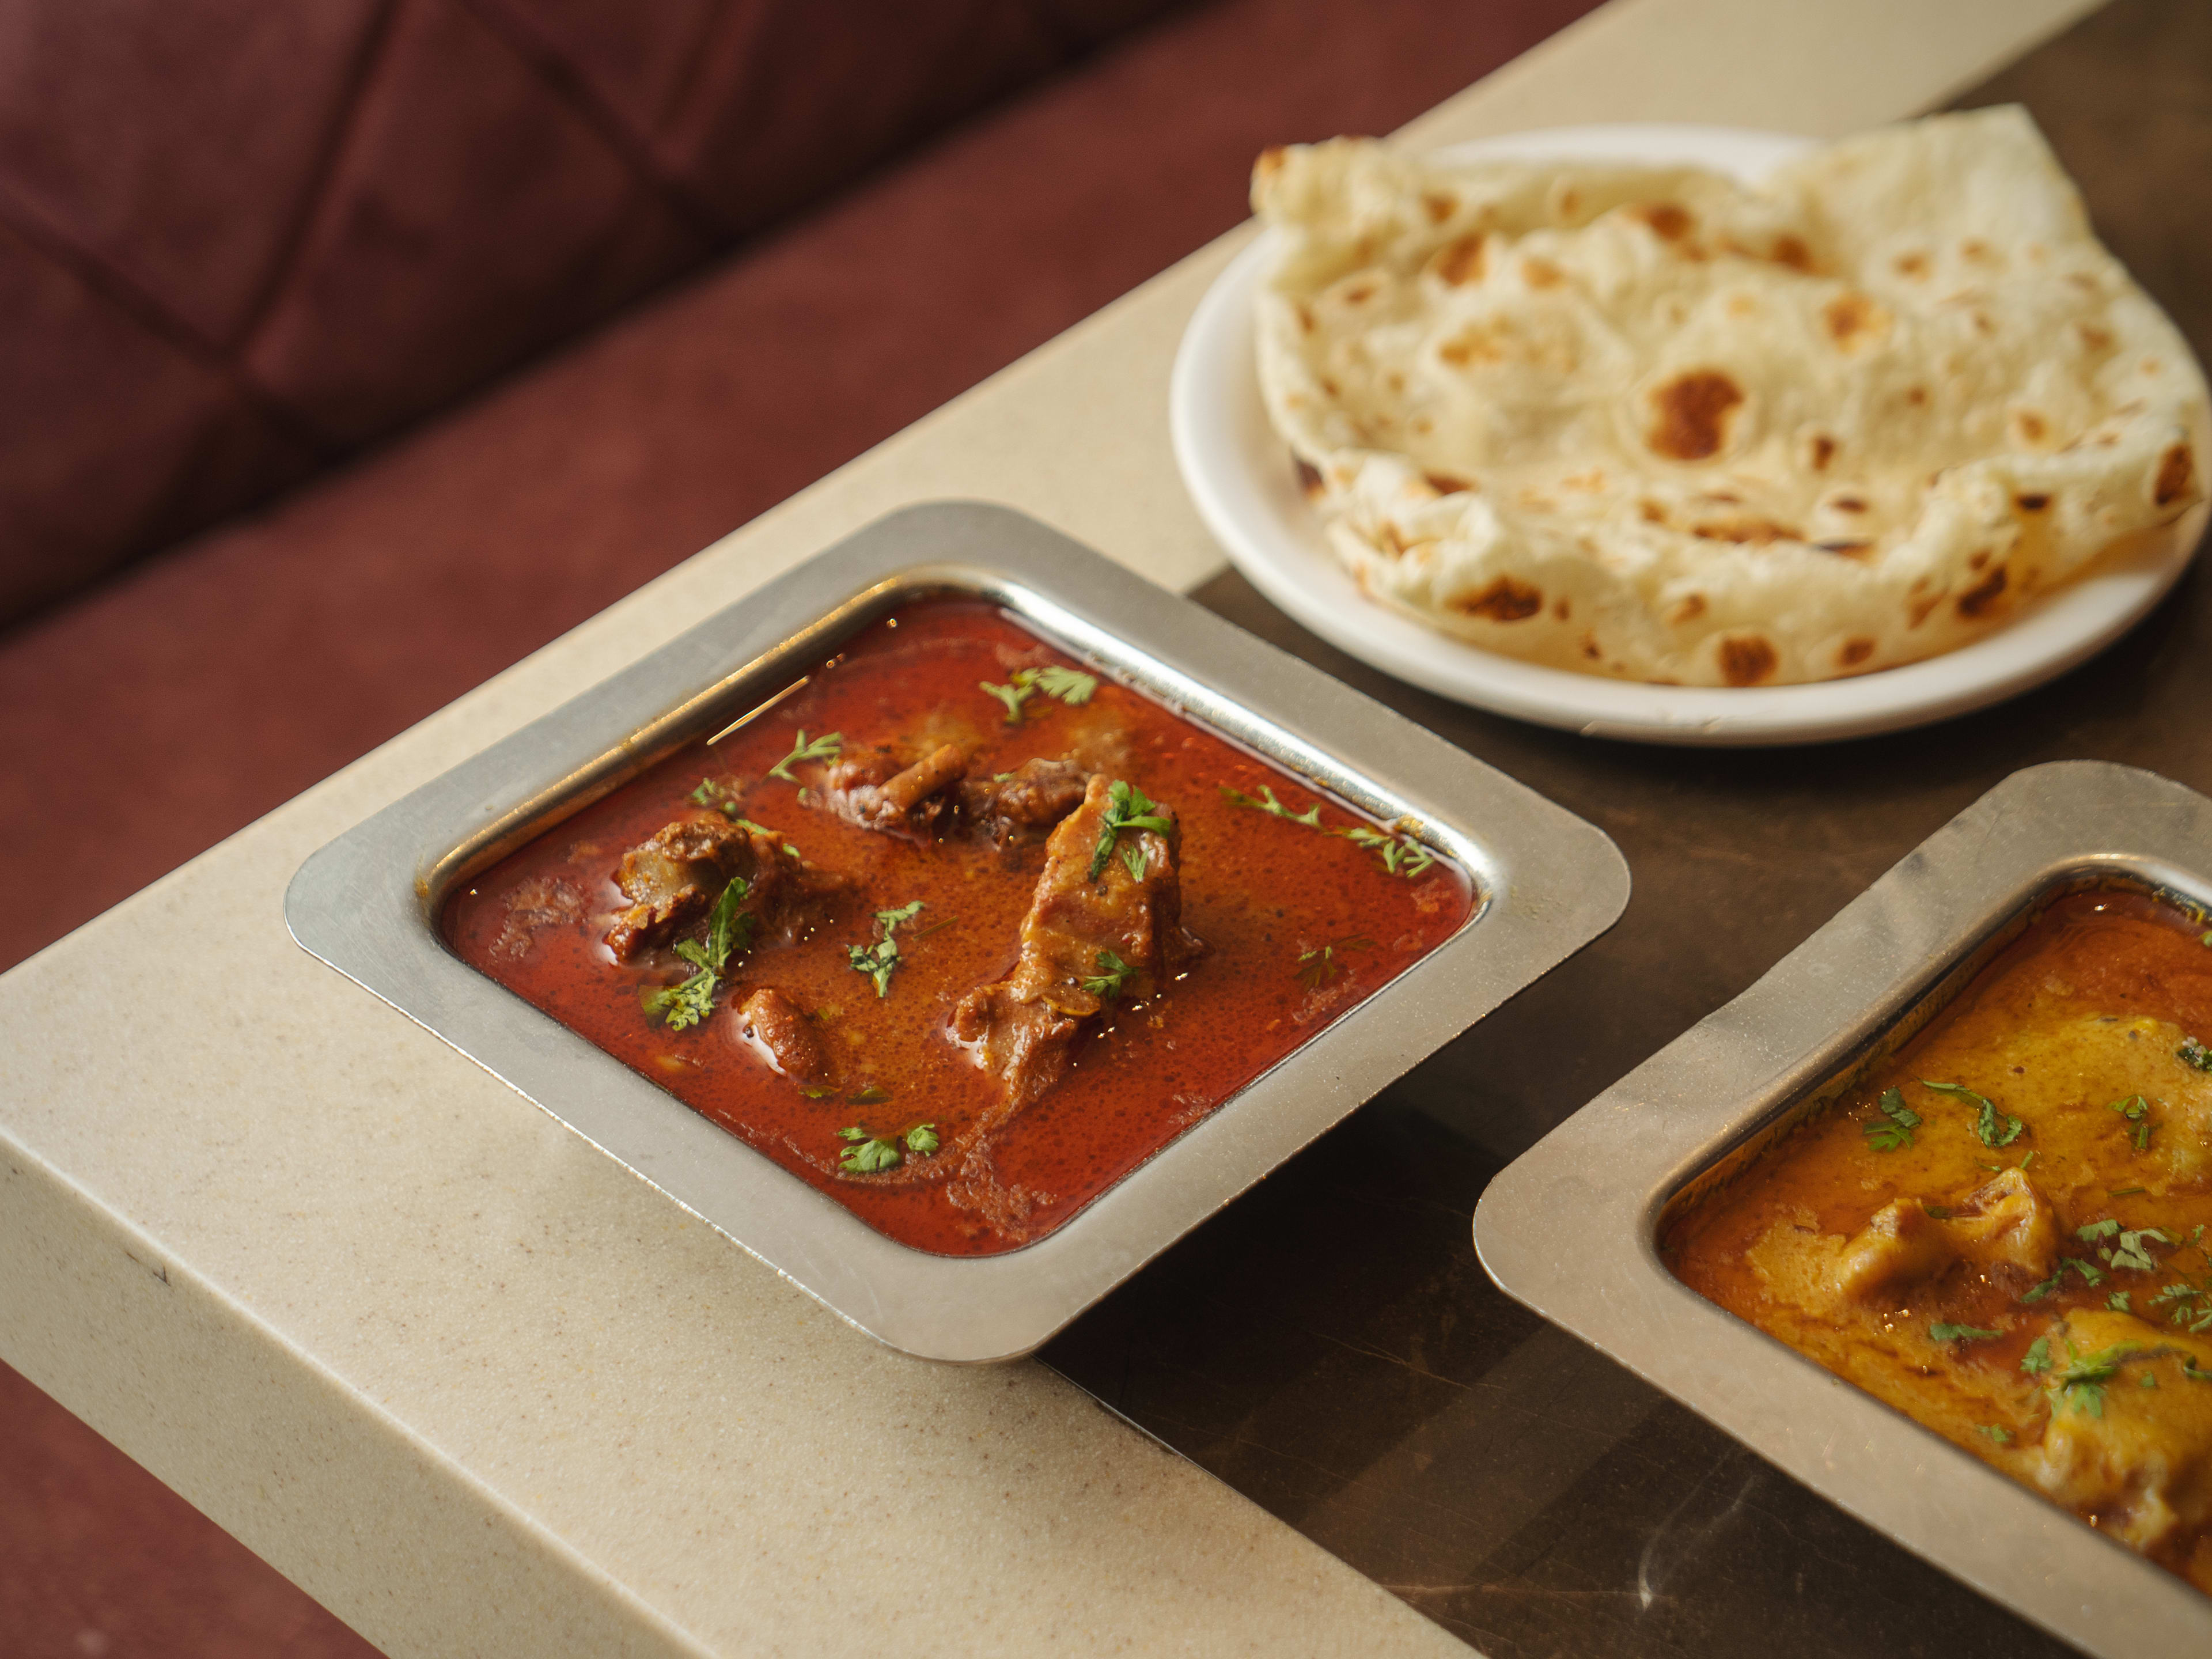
(1886, 963)
(367, 904)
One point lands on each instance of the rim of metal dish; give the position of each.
(366, 904)
(1889, 959)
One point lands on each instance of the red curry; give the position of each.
(961, 932)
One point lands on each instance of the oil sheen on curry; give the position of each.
(2002, 1232)
(960, 932)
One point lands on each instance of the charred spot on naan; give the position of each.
(1854, 321)
(1854, 650)
(2177, 476)
(1670, 222)
(1311, 484)
(1747, 658)
(1978, 601)
(1694, 411)
(1754, 531)
(1505, 600)
(1460, 261)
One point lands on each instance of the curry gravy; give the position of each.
(1299, 923)
(2041, 1295)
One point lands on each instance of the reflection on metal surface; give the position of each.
(1843, 1000)
(1547, 884)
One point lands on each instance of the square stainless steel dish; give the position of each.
(1843, 1002)
(1546, 883)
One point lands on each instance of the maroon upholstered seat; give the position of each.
(239, 240)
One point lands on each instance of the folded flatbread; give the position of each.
(1652, 422)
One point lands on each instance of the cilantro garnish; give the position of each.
(2123, 1192)
(1127, 808)
(1113, 973)
(2001, 1436)
(827, 747)
(2037, 1292)
(880, 960)
(2080, 1384)
(2193, 1370)
(684, 1005)
(1402, 853)
(2038, 1357)
(2117, 1302)
(1902, 1121)
(2128, 1250)
(1136, 861)
(2135, 1109)
(1267, 803)
(2088, 1273)
(868, 1094)
(2193, 1052)
(707, 793)
(2095, 1230)
(867, 1153)
(1320, 968)
(1394, 849)
(1068, 685)
(1995, 1128)
(1943, 1332)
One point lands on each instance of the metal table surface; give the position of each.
(1330, 1346)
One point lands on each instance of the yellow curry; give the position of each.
(2003, 1231)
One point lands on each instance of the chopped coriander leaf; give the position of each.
(1995, 1128)
(2117, 1302)
(1135, 861)
(2001, 1436)
(868, 1094)
(2081, 1382)
(1071, 686)
(728, 931)
(868, 1154)
(1394, 850)
(880, 960)
(921, 1139)
(2191, 1370)
(1067, 685)
(827, 747)
(1127, 808)
(1113, 973)
(2193, 1052)
(2123, 1192)
(2037, 1292)
(815, 1092)
(1013, 697)
(2090, 1274)
(2038, 1357)
(707, 793)
(2128, 1250)
(2095, 1230)
(685, 1004)
(1938, 1212)
(2148, 1380)
(1320, 968)
(1895, 1126)
(1943, 1332)
(1267, 803)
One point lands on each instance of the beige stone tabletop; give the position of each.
(479, 1390)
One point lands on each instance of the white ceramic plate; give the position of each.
(1239, 473)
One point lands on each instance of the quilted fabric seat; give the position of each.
(239, 240)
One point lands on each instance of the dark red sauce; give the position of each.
(1266, 895)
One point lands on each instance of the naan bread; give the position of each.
(1653, 423)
